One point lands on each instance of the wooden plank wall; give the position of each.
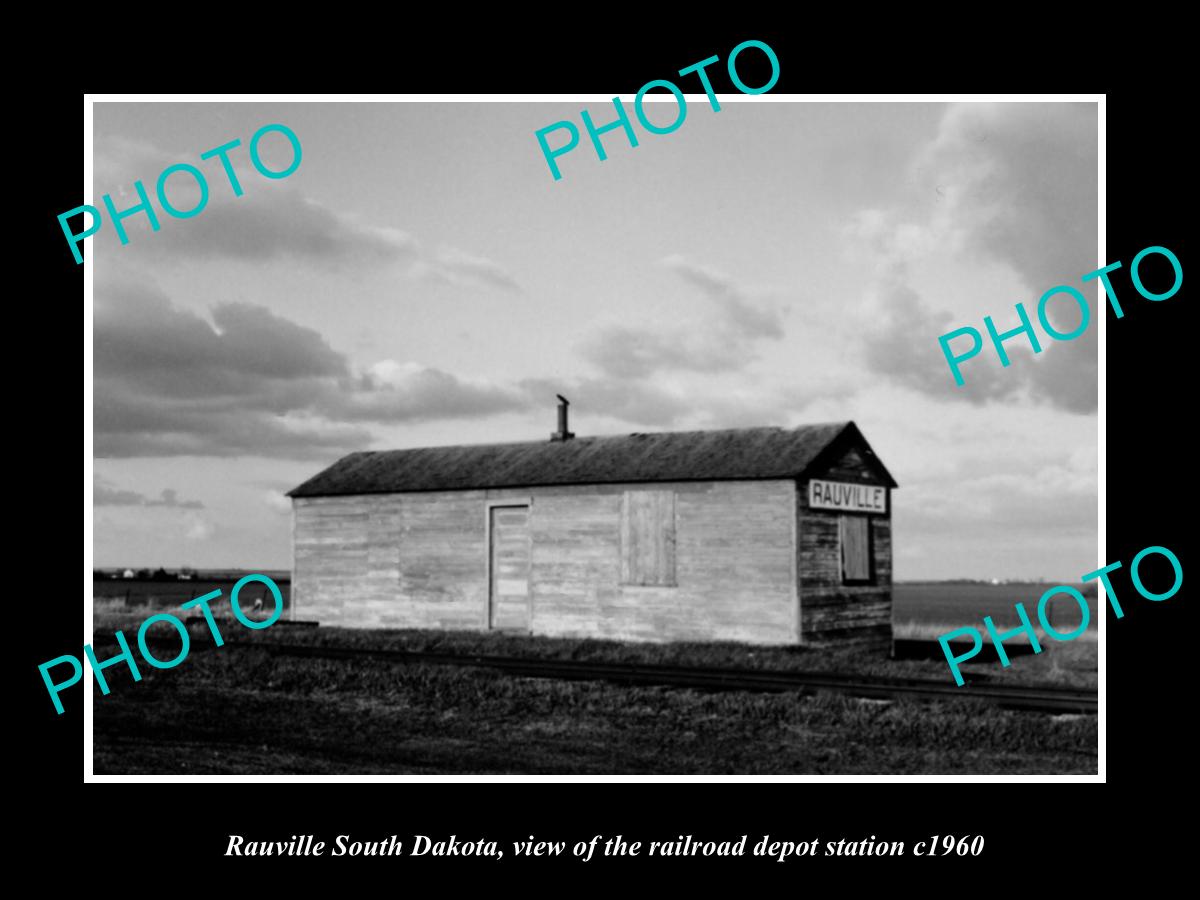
(391, 560)
(420, 560)
(733, 565)
(648, 537)
(329, 555)
(832, 612)
(510, 545)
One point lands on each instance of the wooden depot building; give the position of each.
(762, 535)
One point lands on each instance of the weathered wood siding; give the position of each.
(733, 565)
(420, 560)
(648, 538)
(392, 560)
(510, 549)
(830, 611)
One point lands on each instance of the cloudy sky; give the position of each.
(421, 279)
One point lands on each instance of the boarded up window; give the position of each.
(856, 548)
(648, 537)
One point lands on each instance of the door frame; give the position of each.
(489, 505)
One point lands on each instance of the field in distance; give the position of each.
(167, 594)
(926, 609)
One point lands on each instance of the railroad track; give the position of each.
(1051, 700)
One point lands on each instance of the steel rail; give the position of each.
(1019, 697)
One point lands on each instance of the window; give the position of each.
(648, 538)
(855, 534)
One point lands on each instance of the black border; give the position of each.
(1031, 829)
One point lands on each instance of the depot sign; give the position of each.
(843, 497)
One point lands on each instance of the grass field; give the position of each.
(928, 609)
(1070, 664)
(244, 710)
(237, 710)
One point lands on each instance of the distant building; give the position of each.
(761, 535)
(128, 573)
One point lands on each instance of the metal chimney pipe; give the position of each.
(562, 434)
(562, 415)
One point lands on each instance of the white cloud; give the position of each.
(723, 337)
(251, 382)
(271, 220)
(277, 501)
(199, 529)
(1001, 184)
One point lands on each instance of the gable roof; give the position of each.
(732, 454)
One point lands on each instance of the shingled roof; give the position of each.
(733, 454)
